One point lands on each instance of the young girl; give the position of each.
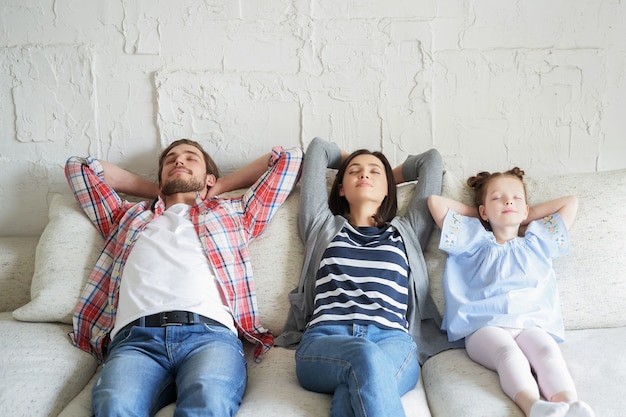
(362, 302)
(501, 292)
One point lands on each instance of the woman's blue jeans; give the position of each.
(367, 368)
(200, 366)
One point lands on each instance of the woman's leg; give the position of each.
(332, 359)
(402, 352)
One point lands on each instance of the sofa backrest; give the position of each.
(276, 257)
(592, 277)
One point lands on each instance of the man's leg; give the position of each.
(211, 370)
(134, 380)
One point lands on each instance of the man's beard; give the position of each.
(182, 186)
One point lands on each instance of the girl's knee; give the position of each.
(538, 343)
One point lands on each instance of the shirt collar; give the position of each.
(158, 205)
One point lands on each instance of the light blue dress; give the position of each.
(505, 285)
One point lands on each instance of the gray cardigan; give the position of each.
(317, 226)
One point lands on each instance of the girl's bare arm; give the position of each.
(567, 207)
(439, 207)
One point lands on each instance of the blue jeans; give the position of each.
(200, 366)
(367, 368)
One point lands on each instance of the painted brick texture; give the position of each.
(490, 83)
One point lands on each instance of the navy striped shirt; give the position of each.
(362, 279)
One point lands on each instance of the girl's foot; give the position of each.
(548, 409)
(580, 409)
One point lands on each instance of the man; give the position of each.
(173, 287)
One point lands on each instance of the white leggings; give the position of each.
(513, 352)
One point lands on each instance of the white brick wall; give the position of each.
(491, 83)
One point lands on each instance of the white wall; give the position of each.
(490, 83)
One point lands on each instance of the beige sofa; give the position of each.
(42, 374)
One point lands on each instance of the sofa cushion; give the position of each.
(591, 277)
(17, 263)
(453, 381)
(66, 253)
(40, 370)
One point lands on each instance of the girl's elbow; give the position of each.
(437, 210)
(572, 203)
(432, 202)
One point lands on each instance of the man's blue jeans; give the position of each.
(367, 368)
(200, 366)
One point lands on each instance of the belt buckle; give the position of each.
(164, 323)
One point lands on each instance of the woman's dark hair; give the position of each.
(388, 208)
(211, 167)
(480, 181)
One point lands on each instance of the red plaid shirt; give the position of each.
(225, 227)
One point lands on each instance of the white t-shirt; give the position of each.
(168, 270)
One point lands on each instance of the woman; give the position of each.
(362, 314)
